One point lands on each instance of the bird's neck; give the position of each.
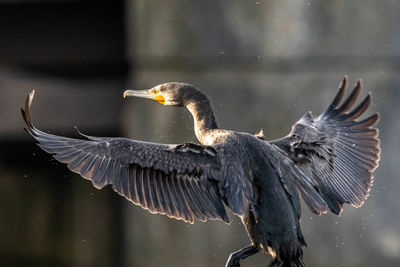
(204, 120)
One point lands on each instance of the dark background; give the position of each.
(263, 63)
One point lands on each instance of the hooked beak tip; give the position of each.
(128, 92)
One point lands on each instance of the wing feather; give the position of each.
(158, 177)
(159, 192)
(338, 98)
(350, 100)
(192, 200)
(335, 153)
(153, 200)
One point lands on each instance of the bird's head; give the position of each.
(170, 94)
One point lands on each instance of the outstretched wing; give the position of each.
(166, 179)
(334, 154)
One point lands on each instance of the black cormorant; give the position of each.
(328, 160)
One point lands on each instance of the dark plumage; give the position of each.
(328, 160)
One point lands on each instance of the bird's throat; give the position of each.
(204, 120)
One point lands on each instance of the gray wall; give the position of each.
(263, 63)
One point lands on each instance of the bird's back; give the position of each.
(273, 223)
(271, 214)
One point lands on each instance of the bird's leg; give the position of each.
(235, 257)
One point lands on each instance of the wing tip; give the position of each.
(26, 113)
(334, 110)
(359, 83)
(338, 97)
(351, 99)
(341, 91)
(344, 82)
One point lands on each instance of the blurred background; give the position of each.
(263, 63)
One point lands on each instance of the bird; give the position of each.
(327, 160)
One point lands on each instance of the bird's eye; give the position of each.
(154, 91)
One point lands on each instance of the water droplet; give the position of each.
(257, 2)
(25, 175)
